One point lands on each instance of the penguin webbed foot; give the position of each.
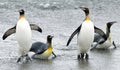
(82, 56)
(19, 59)
(28, 59)
(87, 56)
(114, 45)
(24, 58)
(78, 57)
(54, 55)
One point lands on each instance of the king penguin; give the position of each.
(23, 33)
(85, 35)
(42, 50)
(104, 42)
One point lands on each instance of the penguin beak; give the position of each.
(109, 24)
(52, 36)
(113, 22)
(19, 11)
(76, 7)
(82, 8)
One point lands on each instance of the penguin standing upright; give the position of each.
(85, 36)
(42, 50)
(23, 34)
(104, 42)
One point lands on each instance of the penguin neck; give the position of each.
(87, 18)
(22, 17)
(49, 42)
(107, 32)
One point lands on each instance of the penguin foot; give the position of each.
(54, 55)
(114, 45)
(82, 55)
(87, 56)
(28, 59)
(20, 59)
(78, 57)
(24, 59)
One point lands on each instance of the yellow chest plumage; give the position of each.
(46, 53)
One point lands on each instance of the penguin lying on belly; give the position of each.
(104, 42)
(23, 34)
(42, 50)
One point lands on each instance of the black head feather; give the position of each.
(86, 10)
(49, 38)
(22, 12)
(109, 24)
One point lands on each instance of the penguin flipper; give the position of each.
(100, 32)
(73, 34)
(9, 32)
(97, 37)
(38, 47)
(35, 27)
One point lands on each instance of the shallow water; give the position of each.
(59, 18)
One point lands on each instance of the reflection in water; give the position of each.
(39, 64)
(100, 59)
(84, 64)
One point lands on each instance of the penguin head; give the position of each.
(86, 10)
(109, 24)
(49, 38)
(22, 12)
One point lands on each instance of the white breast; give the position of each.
(86, 36)
(23, 35)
